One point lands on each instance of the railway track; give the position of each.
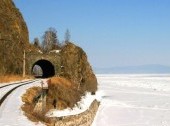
(16, 83)
(11, 113)
(11, 87)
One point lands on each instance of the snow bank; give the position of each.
(81, 106)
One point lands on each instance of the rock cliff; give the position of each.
(75, 66)
(13, 38)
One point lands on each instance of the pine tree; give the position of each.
(36, 43)
(67, 36)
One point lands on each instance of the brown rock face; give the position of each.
(13, 38)
(76, 67)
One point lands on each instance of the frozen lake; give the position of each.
(134, 100)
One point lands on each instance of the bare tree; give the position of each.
(50, 40)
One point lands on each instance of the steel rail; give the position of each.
(11, 90)
(16, 83)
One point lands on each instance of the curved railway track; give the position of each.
(22, 82)
(18, 84)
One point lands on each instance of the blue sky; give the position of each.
(112, 32)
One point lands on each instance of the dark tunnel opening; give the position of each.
(43, 69)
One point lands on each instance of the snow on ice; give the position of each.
(134, 100)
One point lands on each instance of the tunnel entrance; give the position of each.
(43, 69)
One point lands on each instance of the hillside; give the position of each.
(13, 38)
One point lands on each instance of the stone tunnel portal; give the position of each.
(43, 69)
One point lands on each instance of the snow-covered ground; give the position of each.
(4, 90)
(12, 115)
(81, 107)
(10, 111)
(3, 84)
(127, 100)
(134, 100)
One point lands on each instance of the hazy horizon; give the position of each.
(140, 69)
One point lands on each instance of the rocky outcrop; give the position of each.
(13, 38)
(75, 66)
(75, 77)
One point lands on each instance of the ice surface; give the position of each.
(134, 100)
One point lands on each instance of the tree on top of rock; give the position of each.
(50, 40)
(36, 43)
(67, 36)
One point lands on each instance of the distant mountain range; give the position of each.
(143, 69)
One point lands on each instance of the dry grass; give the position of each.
(60, 89)
(28, 97)
(64, 92)
(29, 103)
(62, 82)
(12, 78)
